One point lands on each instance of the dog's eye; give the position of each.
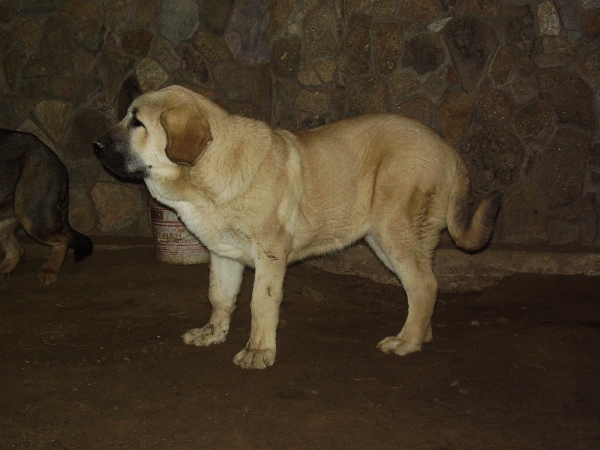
(135, 122)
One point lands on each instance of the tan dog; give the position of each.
(264, 198)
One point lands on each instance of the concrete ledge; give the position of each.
(455, 270)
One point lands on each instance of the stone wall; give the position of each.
(515, 86)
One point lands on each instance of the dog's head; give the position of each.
(162, 130)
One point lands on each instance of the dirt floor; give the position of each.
(96, 361)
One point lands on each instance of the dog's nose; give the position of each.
(98, 147)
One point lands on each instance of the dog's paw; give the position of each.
(207, 335)
(47, 276)
(395, 345)
(255, 359)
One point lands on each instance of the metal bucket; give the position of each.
(173, 243)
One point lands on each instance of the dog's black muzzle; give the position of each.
(116, 156)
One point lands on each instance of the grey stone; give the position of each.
(556, 52)
(57, 35)
(137, 41)
(89, 87)
(211, 46)
(403, 83)
(549, 21)
(53, 115)
(493, 106)
(114, 66)
(286, 55)
(13, 111)
(560, 169)
(366, 96)
(502, 64)
(29, 32)
(150, 74)
(236, 79)
(215, 14)
(570, 18)
(45, 64)
(195, 67)
(167, 55)
(590, 65)
(84, 128)
(417, 13)
(246, 31)
(523, 214)
(35, 7)
(320, 33)
(117, 13)
(357, 47)
(523, 89)
(355, 6)
(518, 23)
(425, 53)
(13, 65)
(113, 214)
(420, 109)
(281, 11)
(179, 19)
(592, 26)
(494, 158)
(90, 35)
(388, 45)
(435, 87)
(454, 116)
(313, 101)
(146, 12)
(570, 96)
(384, 9)
(80, 10)
(470, 43)
(318, 74)
(532, 119)
(6, 41)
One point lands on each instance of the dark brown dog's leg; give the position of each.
(9, 245)
(49, 272)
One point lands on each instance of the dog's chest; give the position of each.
(217, 231)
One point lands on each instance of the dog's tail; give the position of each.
(471, 228)
(81, 244)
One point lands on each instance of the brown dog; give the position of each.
(34, 193)
(264, 198)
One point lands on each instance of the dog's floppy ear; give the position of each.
(188, 134)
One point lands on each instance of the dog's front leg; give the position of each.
(266, 299)
(225, 280)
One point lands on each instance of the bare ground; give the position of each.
(96, 361)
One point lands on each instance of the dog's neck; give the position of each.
(228, 168)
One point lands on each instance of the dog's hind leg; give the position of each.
(47, 229)
(10, 246)
(413, 266)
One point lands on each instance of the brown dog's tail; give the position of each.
(81, 244)
(471, 228)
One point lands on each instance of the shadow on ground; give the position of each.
(96, 361)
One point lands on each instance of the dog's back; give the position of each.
(34, 193)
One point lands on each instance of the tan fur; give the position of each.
(264, 197)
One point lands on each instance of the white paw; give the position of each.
(207, 335)
(255, 359)
(397, 346)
